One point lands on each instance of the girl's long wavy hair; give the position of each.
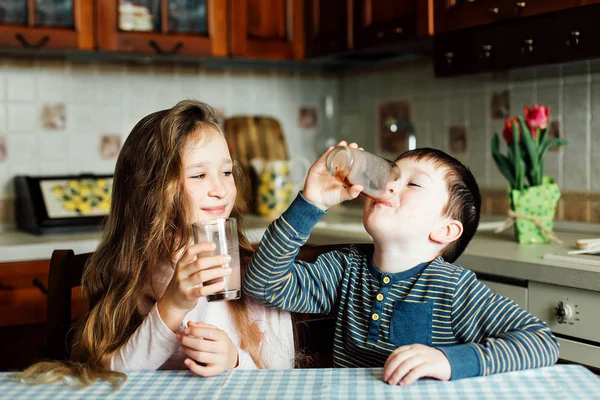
(148, 223)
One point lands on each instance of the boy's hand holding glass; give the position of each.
(324, 190)
(193, 270)
(407, 364)
(210, 350)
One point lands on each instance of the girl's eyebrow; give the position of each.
(208, 163)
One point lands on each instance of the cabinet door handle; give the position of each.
(485, 52)
(399, 30)
(573, 39)
(519, 6)
(527, 46)
(495, 11)
(159, 50)
(25, 43)
(380, 34)
(448, 57)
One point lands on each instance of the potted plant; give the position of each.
(532, 195)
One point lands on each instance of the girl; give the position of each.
(145, 280)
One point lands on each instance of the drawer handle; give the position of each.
(159, 49)
(25, 43)
(495, 11)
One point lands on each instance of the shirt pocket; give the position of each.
(412, 322)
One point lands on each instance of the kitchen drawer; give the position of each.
(578, 352)
(518, 294)
(580, 309)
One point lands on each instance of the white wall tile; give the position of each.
(23, 117)
(111, 80)
(576, 172)
(2, 118)
(478, 106)
(576, 115)
(51, 87)
(82, 84)
(595, 176)
(53, 147)
(6, 180)
(49, 168)
(595, 116)
(23, 149)
(51, 81)
(21, 86)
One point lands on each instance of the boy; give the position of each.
(405, 307)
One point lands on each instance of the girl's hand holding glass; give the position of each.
(210, 350)
(192, 280)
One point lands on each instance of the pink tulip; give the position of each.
(537, 117)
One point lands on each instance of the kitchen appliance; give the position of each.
(51, 204)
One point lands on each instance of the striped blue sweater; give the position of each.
(437, 304)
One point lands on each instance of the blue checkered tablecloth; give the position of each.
(557, 382)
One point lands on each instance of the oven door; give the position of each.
(572, 314)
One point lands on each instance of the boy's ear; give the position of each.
(448, 232)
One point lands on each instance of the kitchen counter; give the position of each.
(490, 253)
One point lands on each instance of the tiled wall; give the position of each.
(108, 99)
(572, 91)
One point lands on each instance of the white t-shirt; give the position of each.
(154, 346)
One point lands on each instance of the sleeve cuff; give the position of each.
(464, 361)
(303, 215)
(163, 330)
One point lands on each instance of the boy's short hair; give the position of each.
(464, 199)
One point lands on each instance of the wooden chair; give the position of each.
(66, 270)
(315, 332)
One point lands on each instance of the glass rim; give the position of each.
(213, 221)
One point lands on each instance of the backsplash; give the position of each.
(60, 117)
(462, 108)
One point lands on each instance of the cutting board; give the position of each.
(255, 137)
(251, 137)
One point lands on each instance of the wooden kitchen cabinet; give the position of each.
(560, 36)
(389, 21)
(459, 14)
(326, 25)
(163, 26)
(451, 15)
(272, 29)
(55, 24)
(21, 302)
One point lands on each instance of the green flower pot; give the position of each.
(537, 202)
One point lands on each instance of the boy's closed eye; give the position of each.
(414, 184)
